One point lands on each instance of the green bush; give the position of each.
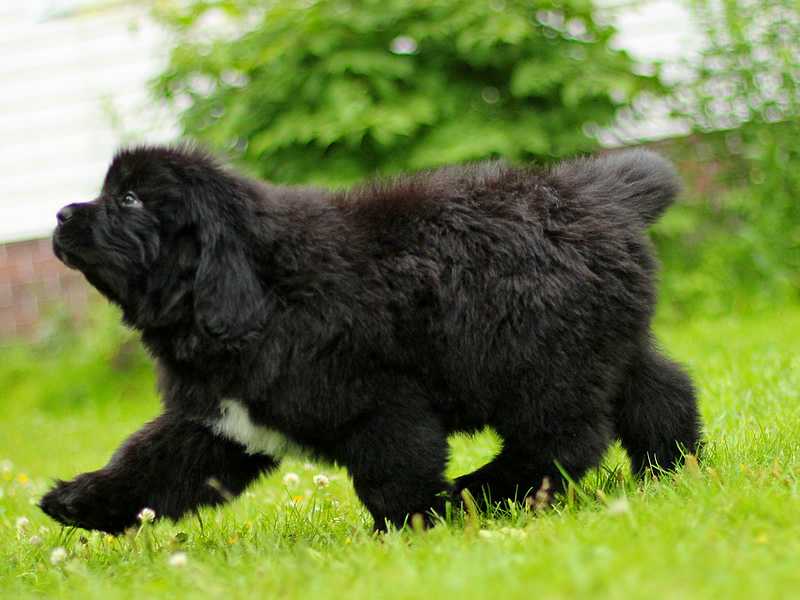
(333, 91)
(73, 365)
(738, 244)
(718, 259)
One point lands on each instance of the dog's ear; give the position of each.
(228, 297)
(170, 282)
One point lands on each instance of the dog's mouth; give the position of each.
(69, 257)
(99, 274)
(65, 258)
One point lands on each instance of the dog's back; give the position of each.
(536, 290)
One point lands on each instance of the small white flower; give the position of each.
(291, 479)
(57, 555)
(147, 515)
(403, 44)
(619, 506)
(22, 523)
(35, 540)
(321, 480)
(513, 532)
(179, 559)
(6, 466)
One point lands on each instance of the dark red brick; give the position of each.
(33, 282)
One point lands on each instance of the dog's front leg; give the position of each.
(171, 465)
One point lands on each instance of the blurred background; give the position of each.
(334, 92)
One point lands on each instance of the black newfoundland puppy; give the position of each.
(364, 326)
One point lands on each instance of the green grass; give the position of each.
(728, 529)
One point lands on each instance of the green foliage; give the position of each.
(749, 71)
(332, 91)
(722, 252)
(739, 243)
(72, 365)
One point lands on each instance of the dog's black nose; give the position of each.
(65, 213)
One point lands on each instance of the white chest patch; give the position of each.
(235, 424)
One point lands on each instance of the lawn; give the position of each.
(728, 528)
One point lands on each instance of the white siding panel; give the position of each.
(61, 80)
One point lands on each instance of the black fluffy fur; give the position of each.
(369, 324)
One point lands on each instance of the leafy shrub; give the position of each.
(72, 365)
(738, 245)
(331, 91)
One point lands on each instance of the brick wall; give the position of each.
(32, 283)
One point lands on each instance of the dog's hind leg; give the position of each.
(170, 465)
(397, 455)
(656, 412)
(532, 463)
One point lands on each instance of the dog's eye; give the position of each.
(131, 200)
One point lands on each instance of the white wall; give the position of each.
(61, 80)
(63, 77)
(654, 30)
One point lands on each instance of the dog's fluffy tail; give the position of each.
(642, 181)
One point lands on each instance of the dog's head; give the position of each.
(169, 240)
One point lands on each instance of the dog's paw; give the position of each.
(90, 501)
